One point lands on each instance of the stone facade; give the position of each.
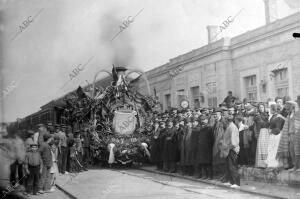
(258, 65)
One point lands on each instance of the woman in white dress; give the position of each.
(276, 125)
(262, 125)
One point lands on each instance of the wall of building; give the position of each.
(258, 64)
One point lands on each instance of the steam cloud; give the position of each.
(122, 50)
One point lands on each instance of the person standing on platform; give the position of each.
(155, 145)
(162, 134)
(33, 167)
(219, 130)
(45, 151)
(262, 124)
(194, 144)
(243, 157)
(188, 159)
(63, 148)
(169, 151)
(286, 148)
(86, 147)
(180, 135)
(297, 137)
(205, 148)
(230, 150)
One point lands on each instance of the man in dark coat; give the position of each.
(229, 100)
(186, 149)
(204, 149)
(162, 135)
(219, 130)
(155, 145)
(175, 143)
(180, 135)
(194, 142)
(169, 149)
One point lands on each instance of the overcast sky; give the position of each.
(39, 57)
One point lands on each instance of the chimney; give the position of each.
(212, 33)
(270, 11)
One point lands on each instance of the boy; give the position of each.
(33, 167)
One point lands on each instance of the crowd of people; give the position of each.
(51, 150)
(208, 143)
(213, 143)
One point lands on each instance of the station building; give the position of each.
(258, 65)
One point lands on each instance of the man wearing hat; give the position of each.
(162, 135)
(155, 145)
(230, 99)
(50, 128)
(288, 144)
(33, 166)
(230, 150)
(204, 149)
(219, 130)
(169, 149)
(194, 141)
(186, 149)
(45, 151)
(180, 138)
(63, 149)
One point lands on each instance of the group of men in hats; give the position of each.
(190, 142)
(211, 143)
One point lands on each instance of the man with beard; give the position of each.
(169, 149)
(204, 149)
(218, 129)
(155, 145)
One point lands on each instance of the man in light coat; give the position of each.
(229, 150)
